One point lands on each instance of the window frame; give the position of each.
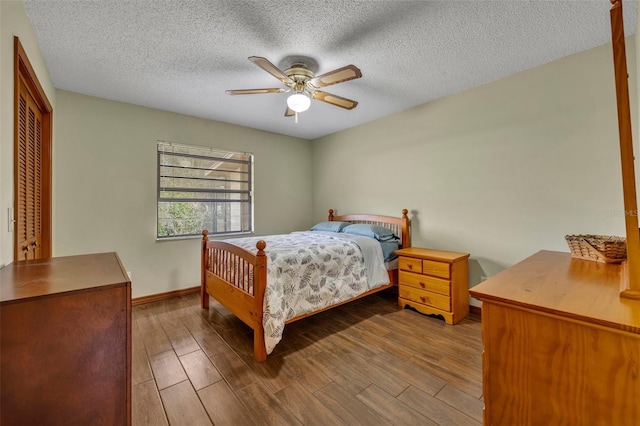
(217, 155)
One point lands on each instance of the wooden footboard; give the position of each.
(237, 278)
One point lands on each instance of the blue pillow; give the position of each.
(380, 233)
(333, 226)
(389, 250)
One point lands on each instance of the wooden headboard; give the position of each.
(400, 226)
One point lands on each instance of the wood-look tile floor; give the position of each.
(364, 363)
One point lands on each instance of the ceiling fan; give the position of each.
(300, 80)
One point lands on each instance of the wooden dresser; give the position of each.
(560, 345)
(434, 282)
(65, 342)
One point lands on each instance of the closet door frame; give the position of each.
(25, 80)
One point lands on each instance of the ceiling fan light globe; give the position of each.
(298, 102)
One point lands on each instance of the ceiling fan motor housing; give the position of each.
(299, 73)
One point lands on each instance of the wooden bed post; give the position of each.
(204, 296)
(330, 215)
(630, 278)
(259, 285)
(406, 235)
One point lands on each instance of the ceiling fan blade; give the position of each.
(334, 100)
(253, 91)
(271, 69)
(289, 112)
(350, 72)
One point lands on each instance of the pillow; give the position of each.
(380, 233)
(333, 226)
(389, 250)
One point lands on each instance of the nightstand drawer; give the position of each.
(425, 282)
(425, 297)
(410, 264)
(439, 269)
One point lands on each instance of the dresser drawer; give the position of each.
(438, 269)
(410, 264)
(425, 282)
(425, 297)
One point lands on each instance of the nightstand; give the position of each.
(434, 282)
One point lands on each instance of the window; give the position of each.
(203, 188)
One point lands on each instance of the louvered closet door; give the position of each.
(29, 178)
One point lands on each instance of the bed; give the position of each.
(235, 271)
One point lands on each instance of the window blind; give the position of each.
(203, 188)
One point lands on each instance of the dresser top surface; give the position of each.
(44, 277)
(555, 283)
(432, 254)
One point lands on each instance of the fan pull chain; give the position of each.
(296, 115)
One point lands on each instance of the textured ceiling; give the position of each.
(180, 56)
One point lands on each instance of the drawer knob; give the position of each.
(423, 299)
(421, 284)
(410, 266)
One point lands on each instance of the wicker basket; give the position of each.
(599, 248)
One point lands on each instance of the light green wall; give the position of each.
(14, 22)
(105, 185)
(500, 171)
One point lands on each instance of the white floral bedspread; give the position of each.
(307, 271)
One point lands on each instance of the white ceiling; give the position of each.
(181, 56)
